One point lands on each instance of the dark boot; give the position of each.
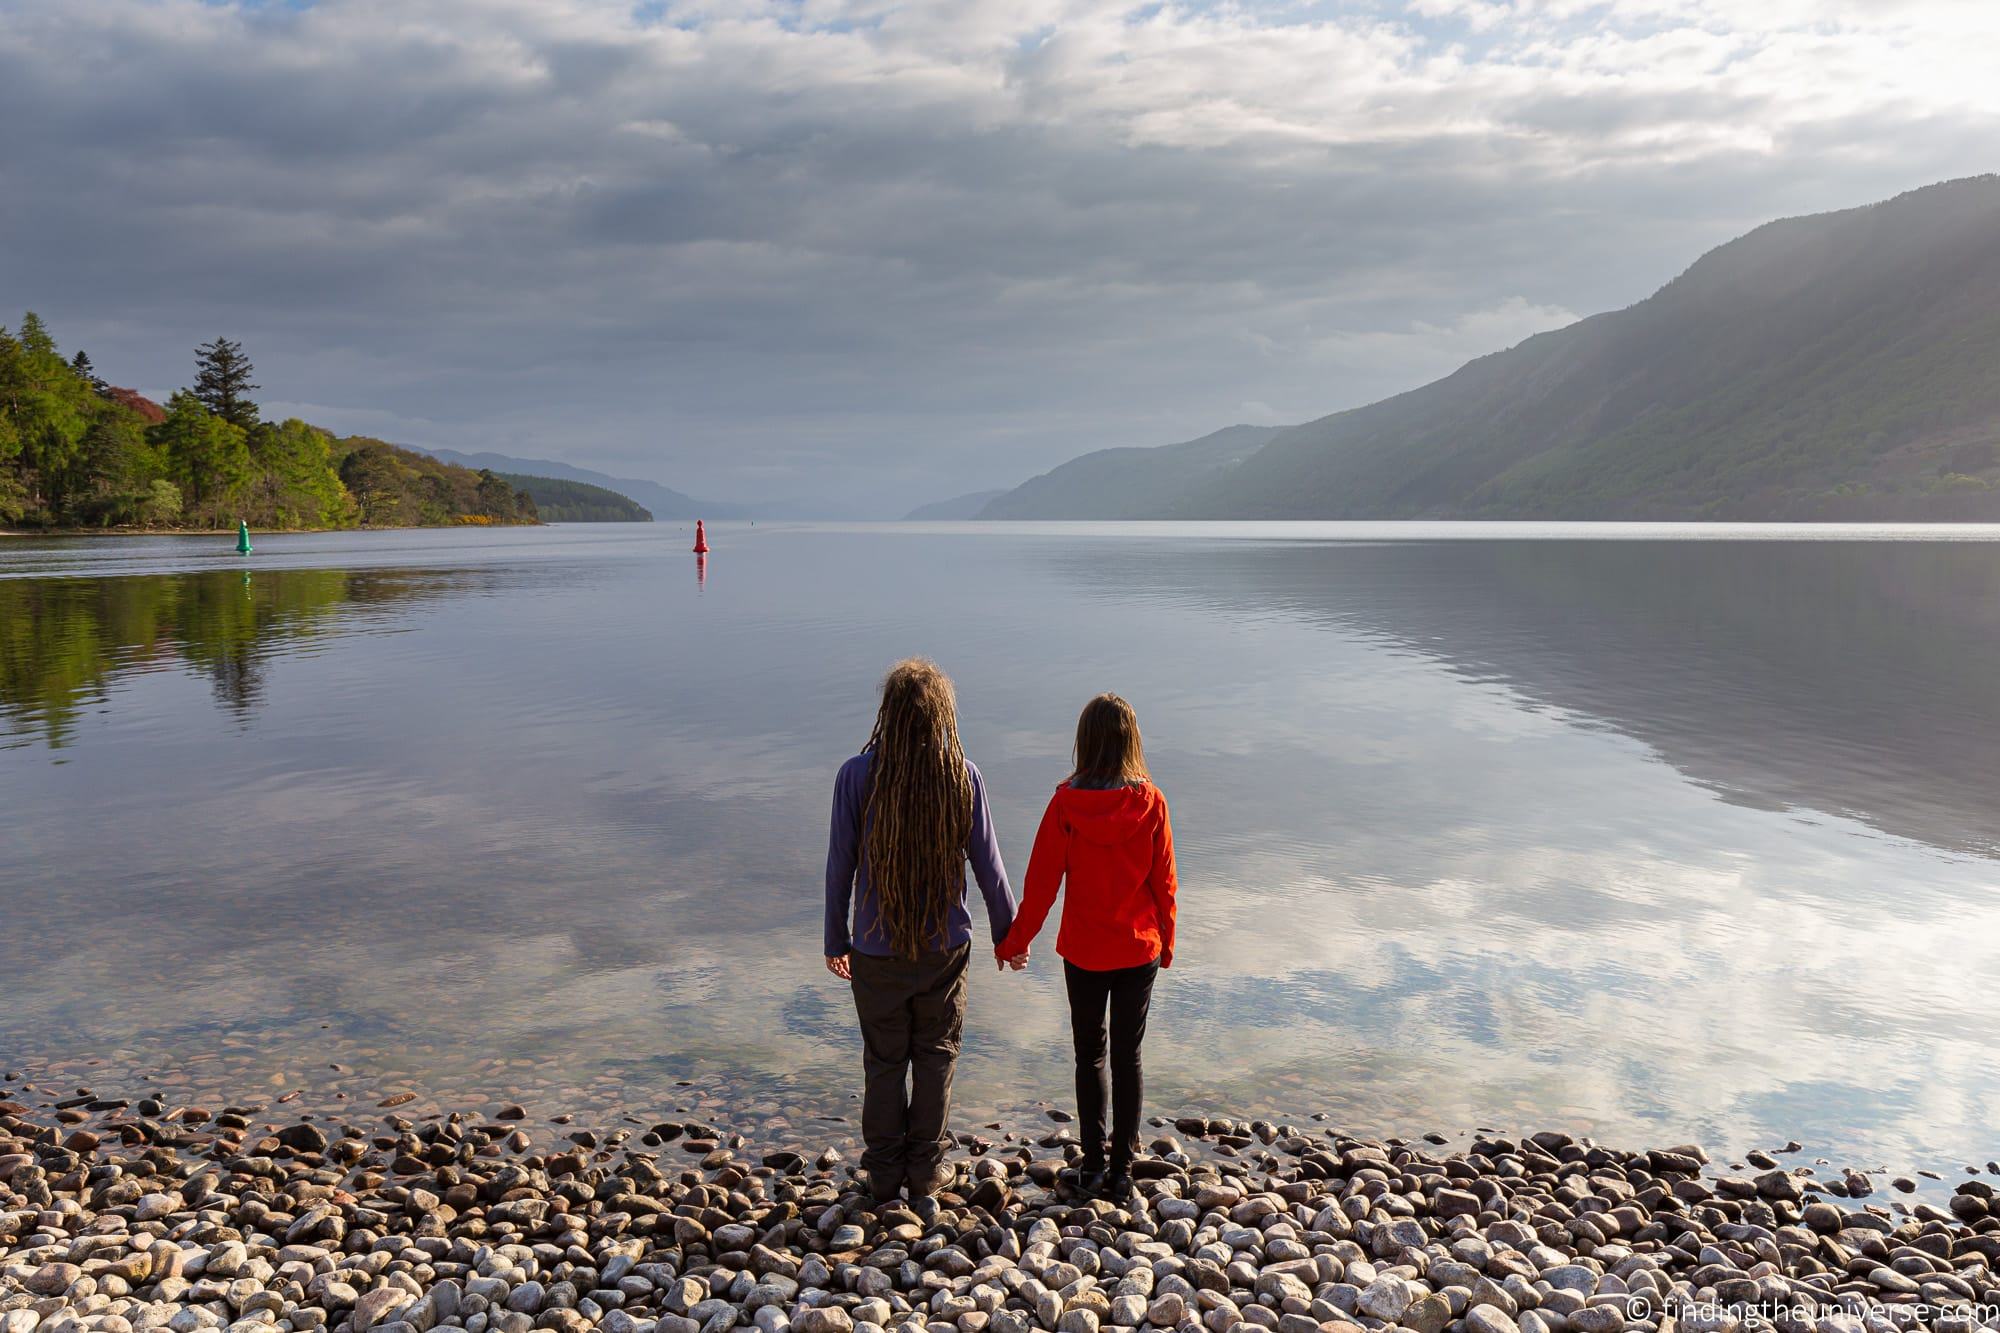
(882, 1187)
(925, 1184)
(1090, 1170)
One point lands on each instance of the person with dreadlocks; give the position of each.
(908, 812)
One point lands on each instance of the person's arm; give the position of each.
(1165, 882)
(1046, 865)
(843, 850)
(983, 850)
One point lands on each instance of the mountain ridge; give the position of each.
(954, 509)
(1832, 366)
(1127, 482)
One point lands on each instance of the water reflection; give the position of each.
(1661, 841)
(67, 643)
(1850, 678)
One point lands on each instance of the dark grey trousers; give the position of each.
(912, 1012)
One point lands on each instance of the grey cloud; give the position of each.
(874, 266)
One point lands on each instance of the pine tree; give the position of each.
(223, 382)
(80, 363)
(34, 335)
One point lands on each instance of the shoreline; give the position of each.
(255, 532)
(124, 1214)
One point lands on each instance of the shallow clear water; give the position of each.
(1663, 834)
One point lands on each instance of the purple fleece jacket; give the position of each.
(847, 878)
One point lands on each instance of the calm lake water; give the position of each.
(1669, 836)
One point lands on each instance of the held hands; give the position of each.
(841, 967)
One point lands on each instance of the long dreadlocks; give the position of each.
(918, 808)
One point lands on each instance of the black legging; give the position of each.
(1128, 992)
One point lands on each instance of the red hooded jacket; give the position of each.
(1115, 847)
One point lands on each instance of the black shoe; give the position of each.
(1116, 1182)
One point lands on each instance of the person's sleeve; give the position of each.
(983, 850)
(1165, 882)
(1046, 865)
(843, 839)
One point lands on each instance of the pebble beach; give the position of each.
(120, 1215)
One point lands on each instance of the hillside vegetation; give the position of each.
(77, 452)
(663, 502)
(561, 501)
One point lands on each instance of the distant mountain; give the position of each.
(1130, 483)
(662, 501)
(1839, 366)
(959, 506)
(559, 500)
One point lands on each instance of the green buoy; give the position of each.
(242, 537)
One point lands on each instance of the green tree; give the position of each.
(381, 484)
(296, 485)
(35, 336)
(49, 408)
(13, 380)
(496, 497)
(14, 504)
(80, 363)
(111, 476)
(222, 382)
(206, 456)
(162, 503)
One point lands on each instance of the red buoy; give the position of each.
(700, 539)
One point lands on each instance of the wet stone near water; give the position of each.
(122, 1216)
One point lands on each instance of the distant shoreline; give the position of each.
(255, 532)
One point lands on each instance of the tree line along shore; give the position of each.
(80, 454)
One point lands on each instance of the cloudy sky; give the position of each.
(865, 254)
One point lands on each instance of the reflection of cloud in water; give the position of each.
(1422, 891)
(1848, 677)
(1716, 955)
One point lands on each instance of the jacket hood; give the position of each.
(1112, 815)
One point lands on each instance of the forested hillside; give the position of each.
(78, 452)
(561, 501)
(662, 502)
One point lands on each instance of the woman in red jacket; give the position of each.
(1106, 833)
